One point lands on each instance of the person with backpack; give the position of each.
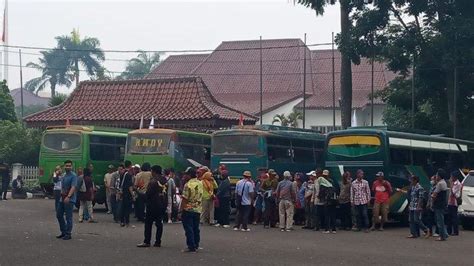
(286, 195)
(382, 190)
(328, 195)
(86, 196)
(454, 201)
(156, 199)
(244, 196)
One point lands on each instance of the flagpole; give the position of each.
(5, 42)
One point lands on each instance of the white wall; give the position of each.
(323, 117)
(286, 109)
(363, 117)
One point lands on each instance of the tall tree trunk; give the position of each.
(450, 93)
(76, 66)
(53, 90)
(346, 71)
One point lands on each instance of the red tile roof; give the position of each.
(361, 80)
(166, 99)
(232, 72)
(177, 66)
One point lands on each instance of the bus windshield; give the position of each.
(148, 143)
(235, 144)
(63, 141)
(354, 146)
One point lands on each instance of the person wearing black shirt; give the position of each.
(156, 203)
(5, 176)
(126, 194)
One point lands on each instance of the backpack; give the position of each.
(331, 196)
(238, 198)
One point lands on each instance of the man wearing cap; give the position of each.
(319, 218)
(268, 189)
(286, 196)
(382, 190)
(108, 187)
(244, 198)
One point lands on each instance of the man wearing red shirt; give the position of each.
(382, 190)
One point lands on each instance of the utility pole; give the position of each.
(21, 86)
(372, 81)
(333, 87)
(304, 84)
(413, 92)
(261, 83)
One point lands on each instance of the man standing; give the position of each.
(286, 195)
(223, 194)
(68, 199)
(126, 194)
(440, 199)
(5, 175)
(171, 193)
(382, 190)
(108, 187)
(268, 189)
(141, 183)
(156, 202)
(453, 203)
(416, 208)
(360, 197)
(190, 209)
(244, 197)
(114, 200)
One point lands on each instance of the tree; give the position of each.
(294, 117)
(140, 66)
(54, 67)
(58, 99)
(345, 47)
(7, 107)
(28, 110)
(19, 144)
(85, 52)
(435, 38)
(280, 118)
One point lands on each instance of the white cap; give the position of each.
(287, 174)
(311, 173)
(136, 166)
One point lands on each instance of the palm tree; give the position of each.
(293, 118)
(140, 66)
(85, 52)
(58, 99)
(345, 44)
(280, 118)
(54, 71)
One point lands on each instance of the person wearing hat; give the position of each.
(327, 196)
(108, 188)
(223, 194)
(286, 195)
(245, 194)
(318, 201)
(268, 188)
(308, 205)
(382, 190)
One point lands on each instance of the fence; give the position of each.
(30, 175)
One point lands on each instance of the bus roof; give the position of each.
(94, 129)
(164, 131)
(400, 134)
(271, 130)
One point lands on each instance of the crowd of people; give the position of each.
(199, 196)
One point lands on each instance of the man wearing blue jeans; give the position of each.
(360, 197)
(440, 203)
(190, 211)
(67, 201)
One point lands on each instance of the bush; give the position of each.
(19, 144)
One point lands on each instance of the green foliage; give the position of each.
(7, 107)
(28, 110)
(19, 144)
(280, 118)
(437, 36)
(140, 66)
(84, 52)
(288, 121)
(58, 99)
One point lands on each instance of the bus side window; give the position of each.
(421, 157)
(303, 155)
(439, 159)
(105, 148)
(279, 150)
(400, 156)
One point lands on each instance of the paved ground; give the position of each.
(28, 229)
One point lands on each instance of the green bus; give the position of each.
(83, 145)
(398, 154)
(168, 148)
(266, 147)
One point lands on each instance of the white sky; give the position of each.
(158, 25)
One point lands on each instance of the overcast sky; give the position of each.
(158, 25)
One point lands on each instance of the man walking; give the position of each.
(286, 195)
(416, 208)
(360, 197)
(190, 209)
(68, 199)
(382, 190)
(156, 202)
(244, 196)
(440, 199)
